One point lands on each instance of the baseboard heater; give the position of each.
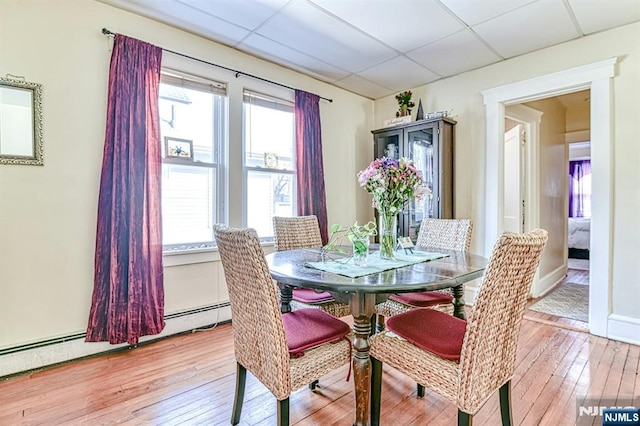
(76, 336)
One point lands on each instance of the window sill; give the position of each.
(190, 256)
(199, 255)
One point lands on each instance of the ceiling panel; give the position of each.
(386, 74)
(592, 17)
(531, 27)
(472, 12)
(268, 49)
(237, 11)
(306, 28)
(378, 47)
(403, 25)
(186, 17)
(356, 84)
(463, 50)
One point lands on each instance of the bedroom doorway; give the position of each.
(547, 126)
(596, 77)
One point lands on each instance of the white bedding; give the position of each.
(579, 230)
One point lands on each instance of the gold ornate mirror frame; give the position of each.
(20, 122)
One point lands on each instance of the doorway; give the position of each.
(596, 77)
(563, 291)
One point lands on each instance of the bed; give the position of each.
(579, 237)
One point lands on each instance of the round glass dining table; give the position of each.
(293, 268)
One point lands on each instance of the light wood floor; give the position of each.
(189, 380)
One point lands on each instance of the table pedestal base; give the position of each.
(362, 308)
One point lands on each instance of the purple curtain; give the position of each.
(309, 166)
(128, 292)
(579, 188)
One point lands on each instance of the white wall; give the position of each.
(553, 183)
(462, 94)
(48, 214)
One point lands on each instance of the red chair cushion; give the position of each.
(434, 331)
(309, 295)
(308, 328)
(423, 299)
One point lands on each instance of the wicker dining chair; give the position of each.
(266, 342)
(304, 232)
(465, 362)
(449, 234)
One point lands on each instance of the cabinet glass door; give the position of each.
(388, 145)
(422, 150)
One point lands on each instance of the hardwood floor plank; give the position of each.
(547, 364)
(630, 369)
(614, 380)
(557, 386)
(564, 396)
(567, 413)
(190, 380)
(528, 353)
(636, 391)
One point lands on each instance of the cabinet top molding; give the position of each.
(414, 123)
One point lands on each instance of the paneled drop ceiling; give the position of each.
(379, 47)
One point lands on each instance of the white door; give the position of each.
(513, 180)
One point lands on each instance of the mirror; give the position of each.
(20, 122)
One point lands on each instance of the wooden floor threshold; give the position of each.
(555, 323)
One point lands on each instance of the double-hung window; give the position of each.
(193, 115)
(269, 161)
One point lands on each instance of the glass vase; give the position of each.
(388, 232)
(360, 251)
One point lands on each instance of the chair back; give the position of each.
(258, 331)
(450, 234)
(296, 232)
(489, 348)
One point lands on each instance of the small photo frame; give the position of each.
(178, 148)
(405, 243)
(270, 160)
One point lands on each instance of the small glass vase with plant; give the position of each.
(359, 237)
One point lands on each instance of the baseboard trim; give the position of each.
(35, 356)
(623, 328)
(548, 282)
(471, 291)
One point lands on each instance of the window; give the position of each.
(269, 161)
(193, 133)
(580, 188)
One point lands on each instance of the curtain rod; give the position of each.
(236, 72)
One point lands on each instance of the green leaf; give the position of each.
(359, 247)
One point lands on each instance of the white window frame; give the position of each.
(220, 148)
(269, 101)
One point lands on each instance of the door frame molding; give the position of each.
(597, 77)
(530, 119)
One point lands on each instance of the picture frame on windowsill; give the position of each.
(178, 148)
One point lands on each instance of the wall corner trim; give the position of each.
(623, 328)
